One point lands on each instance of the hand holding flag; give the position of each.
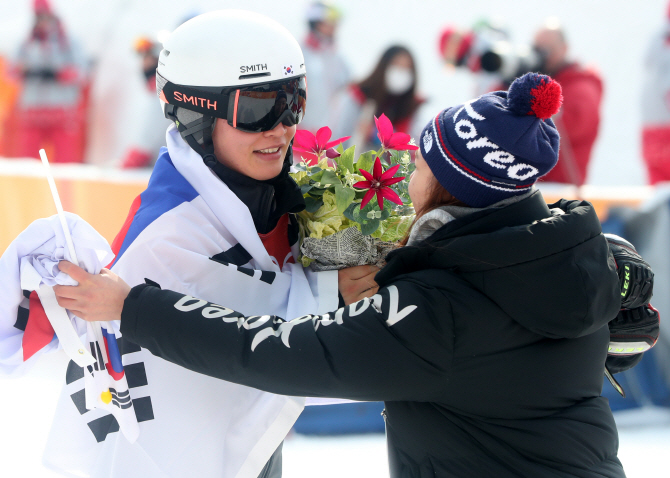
(105, 381)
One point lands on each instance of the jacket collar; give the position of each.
(475, 225)
(267, 200)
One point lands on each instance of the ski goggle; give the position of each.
(253, 108)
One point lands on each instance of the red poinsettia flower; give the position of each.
(378, 183)
(390, 140)
(313, 146)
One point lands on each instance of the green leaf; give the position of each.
(316, 177)
(317, 191)
(387, 210)
(371, 206)
(300, 166)
(339, 148)
(354, 213)
(304, 189)
(360, 193)
(349, 211)
(330, 177)
(347, 159)
(369, 226)
(366, 161)
(343, 197)
(313, 204)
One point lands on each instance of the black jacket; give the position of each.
(487, 342)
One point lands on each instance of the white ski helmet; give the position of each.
(230, 64)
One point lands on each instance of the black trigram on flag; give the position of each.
(136, 376)
(121, 399)
(236, 257)
(99, 361)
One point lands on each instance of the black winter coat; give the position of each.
(487, 342)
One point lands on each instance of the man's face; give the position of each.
(550, 43)
(327, 29)
(46, 23)
(256, 155)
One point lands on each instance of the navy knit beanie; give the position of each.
(497, 145)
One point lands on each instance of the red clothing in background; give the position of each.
(577, 123)
(656, 152)
(655, 109)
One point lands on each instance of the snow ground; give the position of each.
(28, 404)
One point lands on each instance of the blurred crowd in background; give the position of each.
(45, 89)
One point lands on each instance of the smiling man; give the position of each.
(215, 221)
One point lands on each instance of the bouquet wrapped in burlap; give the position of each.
(342, 226)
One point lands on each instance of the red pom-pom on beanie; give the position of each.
(547, 99)
(535, 94)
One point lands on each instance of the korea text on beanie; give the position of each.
(498, 145)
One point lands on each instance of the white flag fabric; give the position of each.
(29, 270)
(188, 232)
(30, 261)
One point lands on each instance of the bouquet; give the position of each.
(342, 226)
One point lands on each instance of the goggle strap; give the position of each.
(201, 149)
(196, 99)
(197, 126)
(187, 130)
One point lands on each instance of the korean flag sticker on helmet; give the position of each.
(288, 70)
(427, 141)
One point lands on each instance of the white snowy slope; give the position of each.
(27, 405)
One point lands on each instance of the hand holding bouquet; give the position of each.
(342, 226)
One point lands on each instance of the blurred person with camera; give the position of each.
(390, 89)
(328, 72)
(51, 104)
(460, 48)
(579, 119)
(487, 52)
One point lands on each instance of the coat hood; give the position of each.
(548, 269)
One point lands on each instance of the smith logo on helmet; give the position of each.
(259, 67)
(195, 101)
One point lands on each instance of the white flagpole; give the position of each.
(61, 323)
(59, 207)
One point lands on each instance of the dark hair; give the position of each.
(395, 107)
(437, 197)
